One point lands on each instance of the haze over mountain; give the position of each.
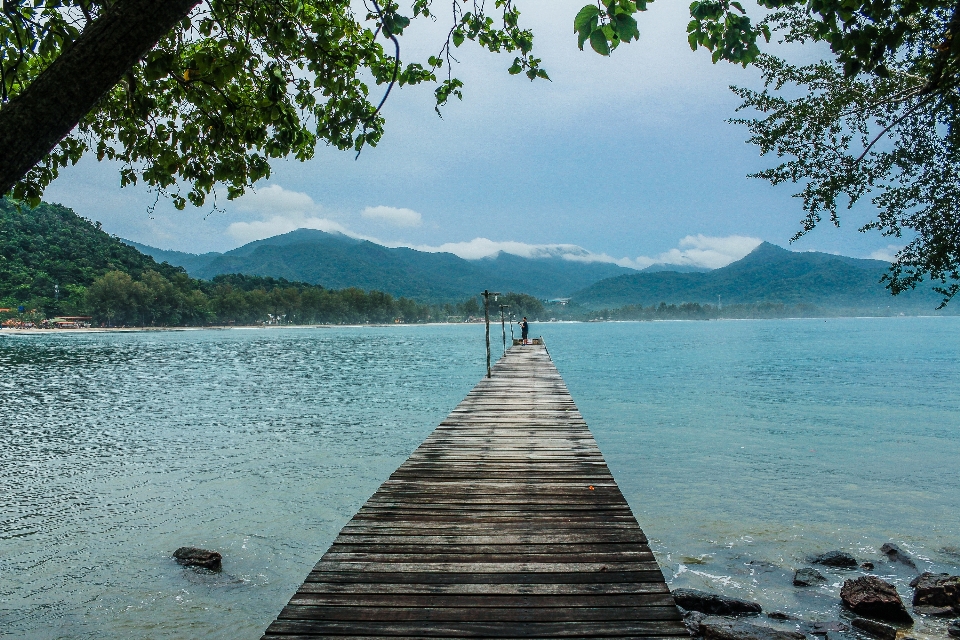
(768, 274)
(337, 261)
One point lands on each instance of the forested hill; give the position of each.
(769, 274)
(335, 261)
(55, 263)
(51, 245)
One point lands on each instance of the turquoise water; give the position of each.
(742, 446)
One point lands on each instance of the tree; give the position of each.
(184, 92)
(879, 120)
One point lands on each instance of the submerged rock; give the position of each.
(692, 620)
(941, 612)
(954, 628)
(896, 554)
(875, 598)
(780, 615)
(840, 559)
(193, 557)
(866, 566)
(824, 628)
(714, 628)
(937, 590)
(713, 603)
(874, 628)
(807, 577)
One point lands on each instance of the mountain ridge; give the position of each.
(337, 261)
(770, 274)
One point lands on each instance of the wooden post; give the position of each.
(503, 326)
(486, 319)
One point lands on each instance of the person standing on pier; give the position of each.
(524, 329)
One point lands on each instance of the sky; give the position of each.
(630, 158)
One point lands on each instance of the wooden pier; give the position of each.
(504, 523)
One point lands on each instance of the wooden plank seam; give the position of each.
(504, 523)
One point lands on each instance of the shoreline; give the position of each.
(39, 331)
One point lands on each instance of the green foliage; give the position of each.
(51, 246)
(608, 23)
(520, 305)
(890, 135)
(116, 284)
(117, 299)
(240, 83)
(880, 120)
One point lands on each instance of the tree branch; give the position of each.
(36, 120)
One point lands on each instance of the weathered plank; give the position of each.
(504, 523)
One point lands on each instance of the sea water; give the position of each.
(743, 447)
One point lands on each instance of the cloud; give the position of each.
(708, 251)
(887, 254)
(282, 211)
(394, 216)
(699, 251)
(485, 248)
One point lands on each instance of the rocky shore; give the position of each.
(870, 607)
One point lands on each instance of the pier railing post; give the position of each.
(486, 318)
(503, 326)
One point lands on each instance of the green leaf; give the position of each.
(599, 42)
(626, 27)
(458, 38)
(586, 19)
(584, 36)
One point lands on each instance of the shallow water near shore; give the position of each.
(742, 446)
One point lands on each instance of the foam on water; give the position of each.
(743, 448)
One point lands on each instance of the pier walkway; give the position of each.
(504, 523)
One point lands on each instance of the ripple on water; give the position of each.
(743, 448)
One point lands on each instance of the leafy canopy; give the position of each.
(241, 82)
(881, 120)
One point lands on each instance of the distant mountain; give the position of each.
(768, 274)
(678, 268)
(337, 261)
(48, 251)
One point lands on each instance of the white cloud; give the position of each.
(708, 251)
(393, 215)
(699, 251)
(485, 248)
(887, 254)
(282, 211)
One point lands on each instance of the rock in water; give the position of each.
(807, 577)
(714, 628)
(954, 628)
(878, 629)
(823, 628)
(937, 590)
(692, 620)
(940, 612)
(193, 557)
(780, 615)
(874, 598)
(896, 554)
(713, 603)
(840, 559)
